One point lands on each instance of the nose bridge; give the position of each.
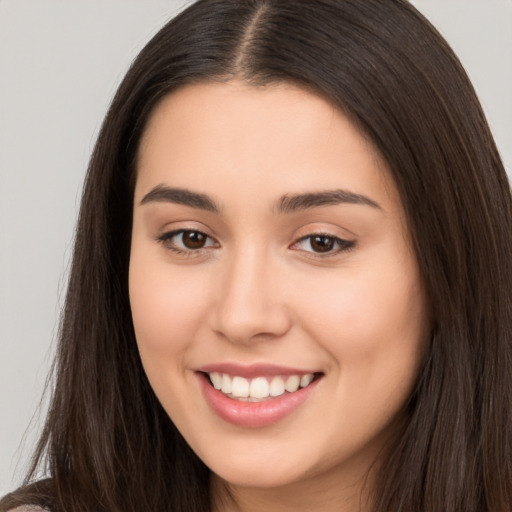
(249, 300)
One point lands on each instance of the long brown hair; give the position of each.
(108, 445)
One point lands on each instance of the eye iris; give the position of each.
(193, 239)
(321, 243)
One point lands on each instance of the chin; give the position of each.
(260, 468)
(260, 477)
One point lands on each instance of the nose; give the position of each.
(250, 302)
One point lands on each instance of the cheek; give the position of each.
(166, 305)
(372, 322)
(374, 328)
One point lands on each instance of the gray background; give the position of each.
(60, 63)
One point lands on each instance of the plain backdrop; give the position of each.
(60, 63)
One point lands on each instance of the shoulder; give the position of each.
(33, 497)
(29, 508)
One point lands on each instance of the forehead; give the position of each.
(282, 136)
(277, 105)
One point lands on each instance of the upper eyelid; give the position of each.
(326, 229)
(342, 241)
(173, 232)
(169, 231)
(323, 233)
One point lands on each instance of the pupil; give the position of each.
(193, 239)
(322, 243)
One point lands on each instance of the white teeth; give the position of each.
(292, 383)
(226, 384)
(306, 380)
(258, 388)
(276, 386)
(216, 379)
(240, 387)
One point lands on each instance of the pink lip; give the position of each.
(253, 414)
(254, 370)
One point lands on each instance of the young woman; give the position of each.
(291, 285)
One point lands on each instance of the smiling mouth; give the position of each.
(259, 389)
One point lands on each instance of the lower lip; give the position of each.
(254, 414)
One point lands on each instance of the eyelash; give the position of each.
(166, 240)
(342, 245)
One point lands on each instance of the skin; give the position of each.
(259, 291)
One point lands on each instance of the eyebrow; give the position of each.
(298, 202)
(161, 193)
(286, 204)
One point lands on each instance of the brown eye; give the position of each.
(323, 245)
(194, 239)
(320, 243)
(186, 241)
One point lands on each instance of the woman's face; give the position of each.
(271, 258)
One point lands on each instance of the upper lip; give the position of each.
(253, 370)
